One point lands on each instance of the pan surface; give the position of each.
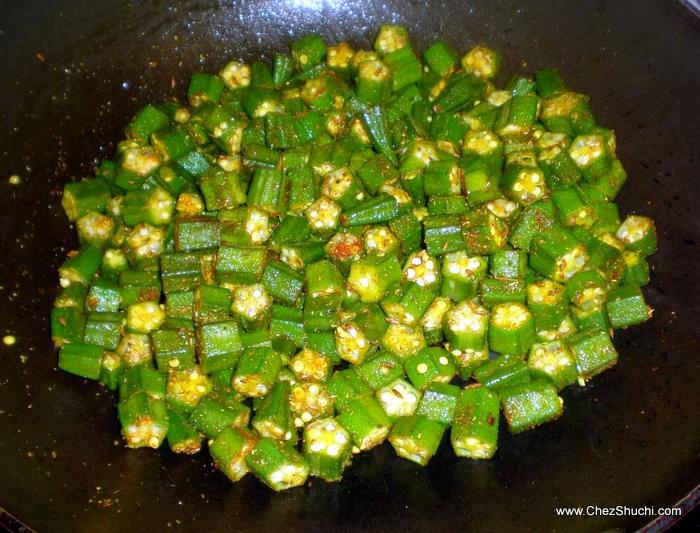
(73, 73)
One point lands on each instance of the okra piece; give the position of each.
(221, 189)
(482, 61)
(626, 307)
(572, 209)
(144, 317)
(511, 328)
(308, 51)
(218, 345)
(593, 318)
(273, 417)
(416, 438)
(103, 329)
(113, 262)
(309, 364)
(211, 304)
(235, 264)
(345, 386)
(530, 404)
(327, 449)
(256, 371)
(381, 208)
(461, 274)
(142, 378)
(341, 186)
(373, 82)
(212, 415)
(481, 181)
(322, 278)
(557, 254)
(144, 420)
(553, 361)
(430, 365)
(171, 144)
(173, 348)
(147, 121)
(180, 271)
(501, 372)
(186, 388)
(380, 370)
(405, 68)
(375, 123)
(591, 154)
(438, 402)
(81, 197)
(508, 264)
(287, 328)
(407, 229)
(533, 220)
(447, 205)
(267, 190)
(373, 275)
(95, 229)
(523, 181)
(321, 313)
(638, 233)
(230, 449)
(594, 352)
(443, 234)
(182, 438)
(380, 240)
(407, 303)
(483, 232)
(111, 370)
(356, 336)
(137, 286)
(483, 146)
(84, 360)
(587, 290)
(309, 400)
(548, 303)
(474, 432)
(81, 266)
(366, 421)
(466, 326)
(433, 318)
(398, 398)
(277, 465)
(500, 290)
(461, 90)
(282, 282)
(402, 341)
(103, 296)
(204, 88)
(339, 57)
(197, 233)
(440, 58)
(636, 269)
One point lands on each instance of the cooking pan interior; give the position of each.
(72, 76)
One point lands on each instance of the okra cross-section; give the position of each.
(327, 448)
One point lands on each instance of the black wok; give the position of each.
(71, 75)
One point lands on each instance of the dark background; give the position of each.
(73, 73)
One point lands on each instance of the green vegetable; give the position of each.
(304, 259)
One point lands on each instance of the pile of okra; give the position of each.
(347, 247)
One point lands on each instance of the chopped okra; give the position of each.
(303, 260)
